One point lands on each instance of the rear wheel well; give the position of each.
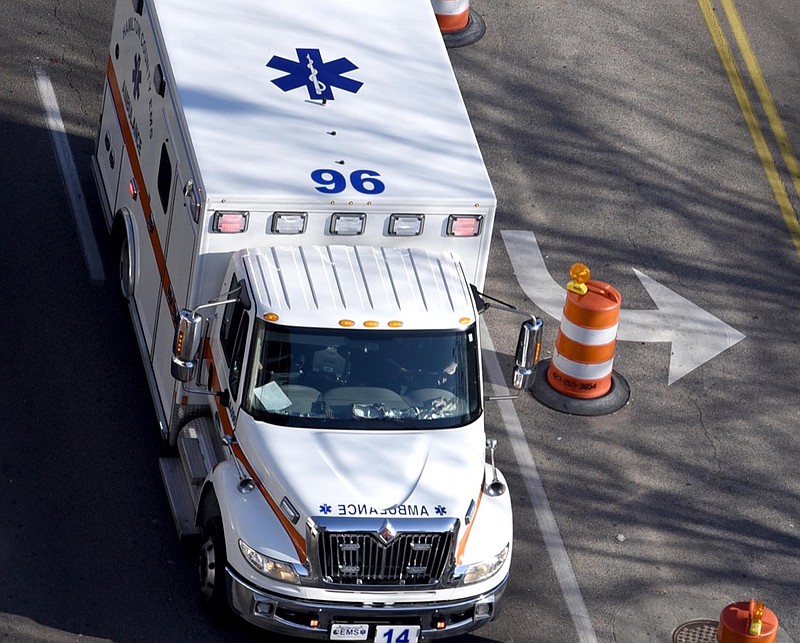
(118, 229)
(124, 245)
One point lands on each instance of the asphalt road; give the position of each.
(612, 131)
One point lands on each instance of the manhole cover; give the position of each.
(701, 631)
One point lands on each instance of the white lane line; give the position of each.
(77, 201)
(541, 506)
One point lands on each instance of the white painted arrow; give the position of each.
(696, 335)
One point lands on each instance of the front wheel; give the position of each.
(211, 568)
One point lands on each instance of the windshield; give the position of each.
(346, 378)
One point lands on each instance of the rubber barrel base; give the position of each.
(618, 395)
(469, 35)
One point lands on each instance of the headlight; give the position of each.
(480, 571)
(275, 569)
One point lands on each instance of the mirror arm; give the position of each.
(203, 391)
(484, 302)
(495, 398)
(214, 303)
(528, 345)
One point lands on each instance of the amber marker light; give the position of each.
(371, 323)
(579, 274)
(464, 321)
(395, 324)
(271, 317)
(347, 323)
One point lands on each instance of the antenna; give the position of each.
(246, 484)
(495, 487)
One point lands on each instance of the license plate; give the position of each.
(349, 632)
(397, 634)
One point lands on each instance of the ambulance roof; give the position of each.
(278, 94)
(320, 285)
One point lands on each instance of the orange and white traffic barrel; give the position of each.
(582, 366)
(747, 622)
(459, 24)
(587, 335)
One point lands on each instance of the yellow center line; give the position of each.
(762, 149)
(764, 94)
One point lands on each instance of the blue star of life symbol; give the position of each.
(136, 76)
(318, 77)
(325, 509)
(440, 510)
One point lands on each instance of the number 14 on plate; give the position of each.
(396, 634)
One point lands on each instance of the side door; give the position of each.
(234, 341)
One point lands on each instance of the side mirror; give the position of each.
(529, 346)
(186, 345)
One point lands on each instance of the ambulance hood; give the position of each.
(416, 474)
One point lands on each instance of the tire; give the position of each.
(211, 562)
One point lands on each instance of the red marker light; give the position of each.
(464, 226)
(230, 222)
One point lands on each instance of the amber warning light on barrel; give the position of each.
(579, 274)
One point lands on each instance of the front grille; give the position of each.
(361, 558)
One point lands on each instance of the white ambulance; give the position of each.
(302, 219)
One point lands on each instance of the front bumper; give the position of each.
(293, 617)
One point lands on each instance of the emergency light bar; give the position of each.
(461, 225)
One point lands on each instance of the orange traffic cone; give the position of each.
(580, 379)
(459, 24)
(745, 622)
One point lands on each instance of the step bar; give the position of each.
(199, 450)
